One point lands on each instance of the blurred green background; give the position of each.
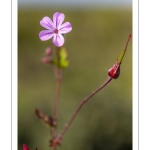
(97, 39)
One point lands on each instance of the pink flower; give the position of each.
(26, 148)
(55, 29)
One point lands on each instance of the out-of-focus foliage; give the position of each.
(97, 38)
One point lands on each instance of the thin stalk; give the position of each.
(57, 95)
(58, 76)
(60, 136)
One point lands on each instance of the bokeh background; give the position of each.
(100, 31)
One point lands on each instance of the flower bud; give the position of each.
(48, 51)
(114, 72)
(45, 60)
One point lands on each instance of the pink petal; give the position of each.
(58, 40)
(25, 147)
(47, 23)
(65, 28)
(46, 35)
(58, 19)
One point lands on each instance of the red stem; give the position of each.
(58, 76)
(58, 82)
(128, 41)
(57, 94)
(78, 109)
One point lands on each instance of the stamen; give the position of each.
(56, 31)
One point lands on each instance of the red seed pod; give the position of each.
(114, 72)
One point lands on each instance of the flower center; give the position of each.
(56, 31)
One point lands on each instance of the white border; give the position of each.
(144, 74)
(14, 74)
(135, 102)
(5, 75)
